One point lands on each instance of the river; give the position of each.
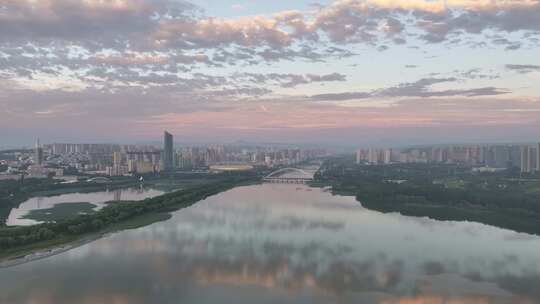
(275, 243)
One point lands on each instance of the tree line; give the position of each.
(13, 237)
(412, 189)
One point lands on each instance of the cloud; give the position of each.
(174, 36)
(177, 24)
(134, 59)
(292, 80)
(90, 22)
(420, 88)
(523, 68)
(477, 73)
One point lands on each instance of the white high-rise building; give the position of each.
(387, 156)
(525, 159)
(359, 156)
(373, 156)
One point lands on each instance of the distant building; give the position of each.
(373, 156)
(359, 156)
(501, 156)
(515, 156)
(37, 171)
(538, 157)
(132, 165)
(387, 156)
(168, 152)
(143, 167)
(532, 159)
(38, 157)
(268, 161)
(525, 168)
(493, 156)
(117, 158)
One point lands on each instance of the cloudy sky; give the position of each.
(353, 72)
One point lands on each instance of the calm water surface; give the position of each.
(287, 244)
(96, 198)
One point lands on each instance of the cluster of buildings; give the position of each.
(30, 163)
(117, 160)
(151, 160)
(525, 157)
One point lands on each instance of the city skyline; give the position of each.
(128, 160)
(344, 72)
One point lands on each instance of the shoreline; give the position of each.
(72, 188)
(186, 198)
(48, 252)
(519, 221)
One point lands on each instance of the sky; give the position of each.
(343, 72)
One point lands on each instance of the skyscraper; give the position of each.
(38, 157)
(168, 155)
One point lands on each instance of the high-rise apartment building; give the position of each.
(359, 155)
(388, 156)
(532, 159)
(501, 156)
(525, 168)
(373, 156)
(117, 158)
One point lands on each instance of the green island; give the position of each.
(441, 192)
(67, 226)
(60, 211)
(14, 192)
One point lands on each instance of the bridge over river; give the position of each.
(291, 176)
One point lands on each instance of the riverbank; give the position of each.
(19, 243)
(13, 193)
(424, 190)
(43, 250)
(512, 219)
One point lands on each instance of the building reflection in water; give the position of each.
(117, 195)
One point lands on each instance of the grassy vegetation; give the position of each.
(60, 211)
(62, 240)
(451, 183)
(442, 192)
(140, 221)
(168, 184)
(14, 192)
(532, 187)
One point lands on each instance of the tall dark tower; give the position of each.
(38, 157)
(168, 154)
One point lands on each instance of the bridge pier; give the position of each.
(286, 180)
